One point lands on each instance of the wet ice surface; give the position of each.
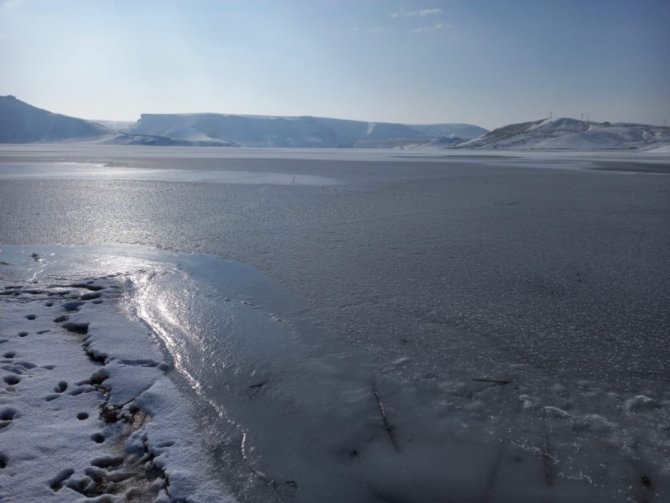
(84, 171)
(465, 328)
(319, 421)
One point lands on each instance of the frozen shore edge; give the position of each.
(87, 410)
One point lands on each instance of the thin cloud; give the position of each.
(417, 13)
(425, 29)
(407, 21)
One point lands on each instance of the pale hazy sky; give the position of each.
(487, 62)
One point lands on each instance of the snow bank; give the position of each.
(663, 149)
(87, 409)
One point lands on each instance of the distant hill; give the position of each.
(267, 131)
(24, 123)
(571, 134)
(147, 140)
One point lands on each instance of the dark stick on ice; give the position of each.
(255, 388)
(387, 426)
(502, 382)
(547, 455)
(547, 460)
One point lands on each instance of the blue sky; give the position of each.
(487, 62)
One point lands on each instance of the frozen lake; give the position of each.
(424, 326)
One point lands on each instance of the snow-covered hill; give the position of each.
(267, 131)
(572, 134)
(24, 123)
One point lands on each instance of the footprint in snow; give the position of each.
(8, 414)
(12, 380)
(56, 483)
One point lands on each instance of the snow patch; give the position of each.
(80, 389)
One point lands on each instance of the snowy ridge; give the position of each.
(296, 132)
(23, 123)
(572, 134)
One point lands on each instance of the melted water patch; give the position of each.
(88, 171)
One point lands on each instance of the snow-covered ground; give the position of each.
(86, 407)
(663, 149)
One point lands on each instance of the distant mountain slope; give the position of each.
(571, 134)
(151, 141)
(266, 131)
(116, 126)
(465, 131)
(24, 123)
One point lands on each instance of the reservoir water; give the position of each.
(374, 327)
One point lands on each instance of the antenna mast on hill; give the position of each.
(551, 114)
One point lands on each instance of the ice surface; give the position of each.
(503, 318)
(81, 171)
(286, 411)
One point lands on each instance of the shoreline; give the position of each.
(87, 407)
